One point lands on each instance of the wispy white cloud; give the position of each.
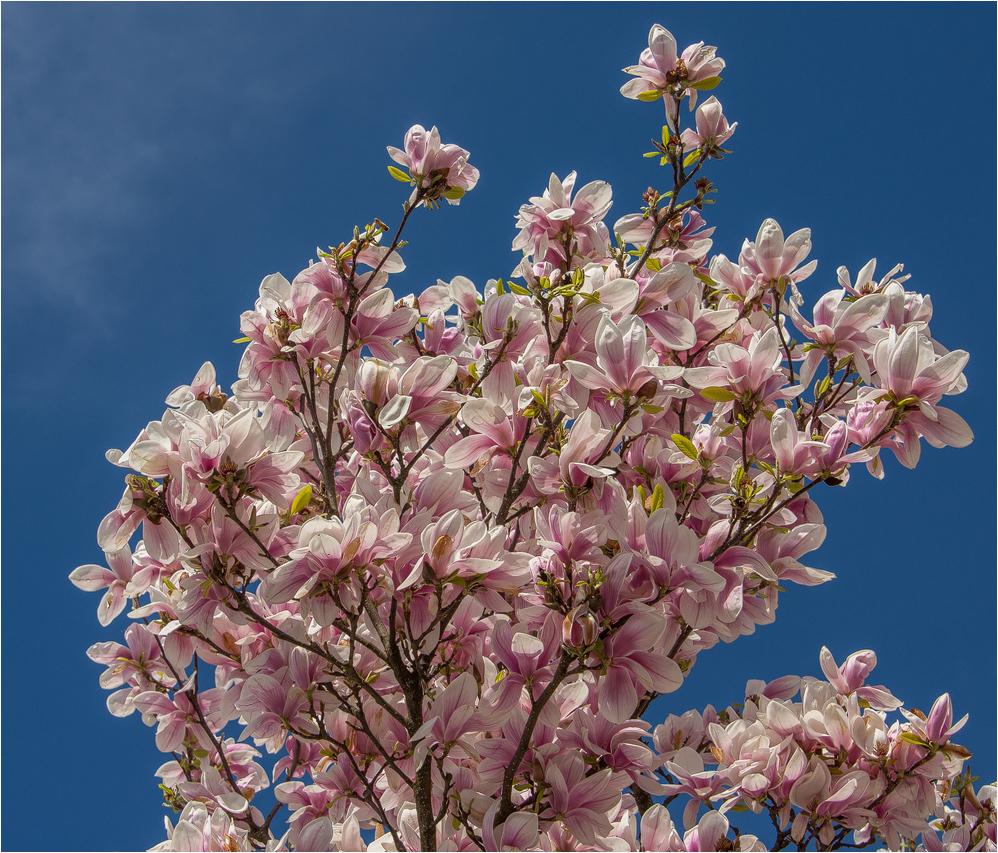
(99, 103)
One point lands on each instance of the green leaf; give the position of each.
(539, 397)
(717, 395)
(915, 739)
(692, 157)
(500, 287)
(522, 291)
(665, 134)
(454, 193)
(651, 154)
(824, 385)
(242, 340)
(652, 410)
(706, 85)
(302, 500)
(657, 498)
(653, 95)
(399, 175)
(687, 446)
(654, 265)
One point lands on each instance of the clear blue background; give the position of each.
(159, 160)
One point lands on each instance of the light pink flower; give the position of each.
(623, 363)
(660, 70)
(579, 798)
(771, 257)
(851, 677)
(439, 170)
(712, 130)
(840, 329)
(547, 216)
(638, 655)
(117, 580)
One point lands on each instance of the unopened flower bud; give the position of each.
(580, 628)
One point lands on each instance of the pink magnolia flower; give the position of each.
(845, 796)
(660, 70)
(493, 432)
(771, 257)
(688, 243)
(909, 369)
(138, 664)
(711, 833)
(691, 777)
(270, 707)
(825, 456)
(840, 330)
(582, 458)
(177, 717)
(203, 389)
(329, 548)
(638, 654)
(452, 715)
(438, 170)
(658, 832)
(379, 321)
(556, 212)
(864, 279)
(519, 831)
(712, 130)
(212, 789)
(851, 677)
(751, 374)
(197, 830)
(793, 454)
(117, 580)
(579, 798)
(618, 745)
(938, 727)
(622, 360)
(526, 658)
(420, 396)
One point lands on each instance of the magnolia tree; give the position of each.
(437, 555)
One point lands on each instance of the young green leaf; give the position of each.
(302, 500)
(717, 395)
(706, 85)
(657, 498)
(685, 445)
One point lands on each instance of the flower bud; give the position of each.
(580, 628)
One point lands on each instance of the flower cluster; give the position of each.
(437, 555)
(826, 767)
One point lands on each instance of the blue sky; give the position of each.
(159, 160)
